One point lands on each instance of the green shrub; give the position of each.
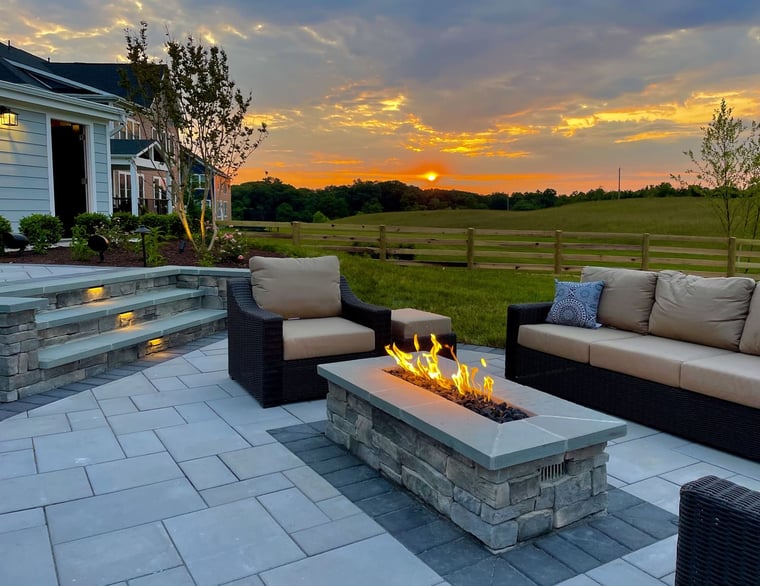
(125, 221)
(79, 248)
(5, 225)
(92, 222)
(43, 231)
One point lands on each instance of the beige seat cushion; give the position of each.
(407, 321)
(566, 341)
(708, 311)
(650, 357)
(734, 378)
(297, 287)
(750, 340)
(627, 297)
(327, 336)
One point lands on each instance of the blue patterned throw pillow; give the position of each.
(575, 304)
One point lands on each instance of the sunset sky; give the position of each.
(483, 95)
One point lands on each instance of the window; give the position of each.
(130, 130)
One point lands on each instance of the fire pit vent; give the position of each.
(553, 472)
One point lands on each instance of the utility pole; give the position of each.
(618, 182)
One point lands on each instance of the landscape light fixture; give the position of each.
(8, 117)
(142, 231)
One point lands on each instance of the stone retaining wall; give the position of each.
(499, 507)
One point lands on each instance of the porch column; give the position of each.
(134, 192)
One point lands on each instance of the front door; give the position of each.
(69, 172)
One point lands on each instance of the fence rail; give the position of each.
(527, 250)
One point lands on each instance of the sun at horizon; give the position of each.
(431, 176)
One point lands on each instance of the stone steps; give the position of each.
(64, 330)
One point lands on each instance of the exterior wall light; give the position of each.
(8, 117)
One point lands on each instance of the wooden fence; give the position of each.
(555, 251)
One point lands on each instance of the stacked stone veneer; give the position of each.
(21, 338)
(499, 507)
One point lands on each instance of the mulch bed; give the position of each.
(123, 258)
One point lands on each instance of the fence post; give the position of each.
(731, 264)
(383, 243)
(557, 252)
(470, 248)
(645, 252)
(296, 233)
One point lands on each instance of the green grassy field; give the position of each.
(477, 300)
(671, 215)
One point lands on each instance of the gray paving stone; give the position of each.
(454, 555)
(171, 577)
(650, 519)
(118, 406)
(129, 386)
(172, 368)
(245, 489)
(15, 445)
(16, 428)
(245, 409)
(144, 420)
(19, 463)
(180, 397)
(117, 555)
(429, 536)
(140, 443)
(260, 460)
(538, 565)
(258, 433)
(87, 419)
(311, 484)
(22, 520)
(404, 519)
(569, 554)
(231, 541)
(76, 448)
(335, 534)
(132, 472)
(622, 532)
(658, 559)
(249, 581)
(169, 383)
(38, 490)
(377, 561)
(292, 510)
(594, 542)
(191, 441)
(119, 510)
(338, 507)
(83, 401)
(205, 378)
(619, 572)
(27, 558)
(207, 472)
(195, 412)
(491, 571)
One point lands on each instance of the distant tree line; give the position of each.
(272, 200)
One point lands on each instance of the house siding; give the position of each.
(24, 168)
(101, 172)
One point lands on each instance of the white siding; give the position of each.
(24, 168)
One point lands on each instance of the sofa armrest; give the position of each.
(517, 315)
(254, 334)
(375, 317)
(718, 533)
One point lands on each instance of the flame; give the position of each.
(426, 366)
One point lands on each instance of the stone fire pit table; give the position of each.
(503, 483)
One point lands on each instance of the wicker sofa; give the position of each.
(290, 316)
(676, 352)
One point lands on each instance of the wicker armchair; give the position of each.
(256, 346)
(718, 534)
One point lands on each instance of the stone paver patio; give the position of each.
(166, 473)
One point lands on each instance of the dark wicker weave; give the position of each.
(722, 424)
(718, 534)
(256, 349)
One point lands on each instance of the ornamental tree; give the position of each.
(198, 116)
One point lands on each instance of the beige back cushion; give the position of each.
(627, 297)
(708, 311)
(750, 342)
(297, 287)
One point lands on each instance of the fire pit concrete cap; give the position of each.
(555, 426)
